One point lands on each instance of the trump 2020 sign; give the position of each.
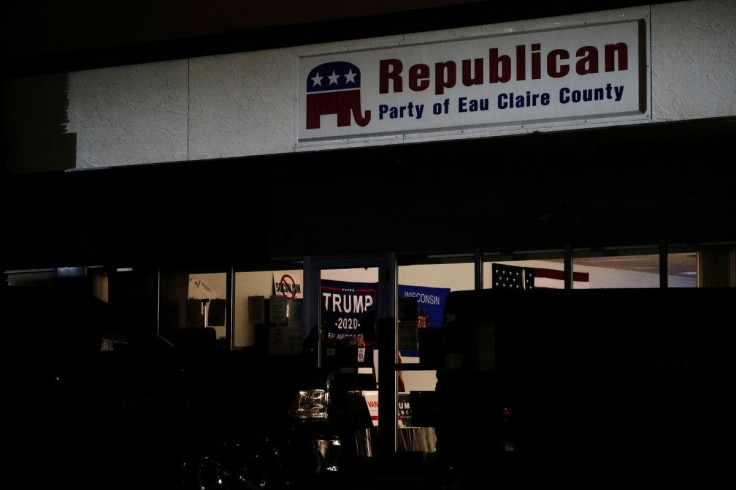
(348, 311)
(546, 76)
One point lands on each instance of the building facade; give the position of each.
(588, 145)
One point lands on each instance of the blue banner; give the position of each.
(430, 302)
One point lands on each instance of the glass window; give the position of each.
(716, 265)
(457, 276)
(34, 277)
(524, 270)
(268, 297)
(616, 268)
(682, 267)
(194, 307)
(348, 304)
(422, 287)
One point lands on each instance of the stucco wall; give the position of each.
(693, 60)
(130, 114)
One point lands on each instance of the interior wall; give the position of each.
(255, 283)
(457, 277)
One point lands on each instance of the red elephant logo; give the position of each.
(334, 88)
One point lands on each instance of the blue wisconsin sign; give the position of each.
(429, 300)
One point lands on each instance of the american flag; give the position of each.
(515, 277)
(512, 277)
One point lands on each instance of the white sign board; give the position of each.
(575, 73)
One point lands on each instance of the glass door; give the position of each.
(353, 314)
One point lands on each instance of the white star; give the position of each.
(350, 77)
(333, 78)
(316, 79)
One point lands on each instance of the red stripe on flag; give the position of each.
(550, 274)
(580, 276)
(555, 279)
